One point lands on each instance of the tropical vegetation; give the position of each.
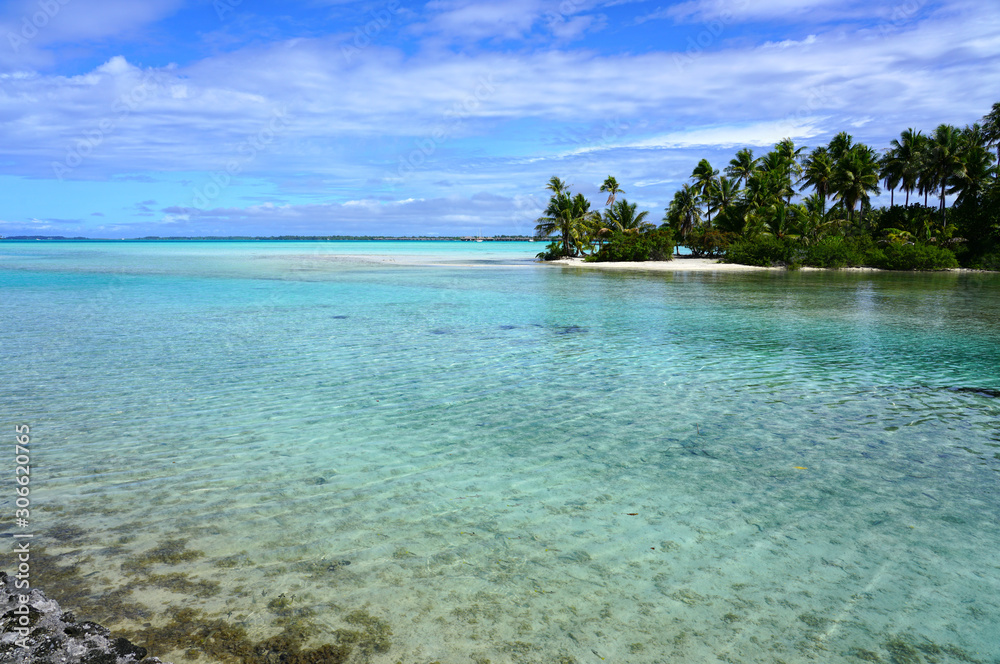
(798, 206)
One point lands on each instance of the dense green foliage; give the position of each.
(761, 212)
(837, 252)
(655, 245)
(898, 256)
(709, 242)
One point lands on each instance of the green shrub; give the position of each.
(913, 257)
(708, 242)
(987, 262)
(765, 251)
(655, 245)
(839, 252)
(552, 252)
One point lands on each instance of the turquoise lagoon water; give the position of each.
(520, 462)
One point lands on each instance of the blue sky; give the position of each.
(243, 117)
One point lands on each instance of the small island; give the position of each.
(792, 208)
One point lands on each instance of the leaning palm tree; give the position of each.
(742, 166)
(611, 186)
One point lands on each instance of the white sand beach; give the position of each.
(688, 264)
(681, 264)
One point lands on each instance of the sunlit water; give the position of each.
(519, 462)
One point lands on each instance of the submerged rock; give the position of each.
(39, 632)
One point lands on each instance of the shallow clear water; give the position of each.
(521, 462)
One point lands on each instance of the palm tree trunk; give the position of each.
(907, 198)
(944, 222)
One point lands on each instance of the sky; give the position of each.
(335, 117)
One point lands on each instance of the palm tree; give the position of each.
(977, 165)
(856, 175)
(944, 162)
(891, 171)
(568, 216)
(906, 156)
(684, 212)
(704, 182)
(622, 216)
(840, 145)
(742, 166)
(818, 174)
(991, 130)
(778, 170)
(787, 150)
(611, 186)
(813, 222)
(725, 192)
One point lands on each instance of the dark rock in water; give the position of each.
(440, 331)
(340, 317)
(337, 564)
(982, 391)
(572, 329)
(53, 636)
(508, 327)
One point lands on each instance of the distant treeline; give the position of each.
(793, 207)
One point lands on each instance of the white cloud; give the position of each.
(29, 27)
(485, 121)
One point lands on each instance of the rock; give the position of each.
(54, 637)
